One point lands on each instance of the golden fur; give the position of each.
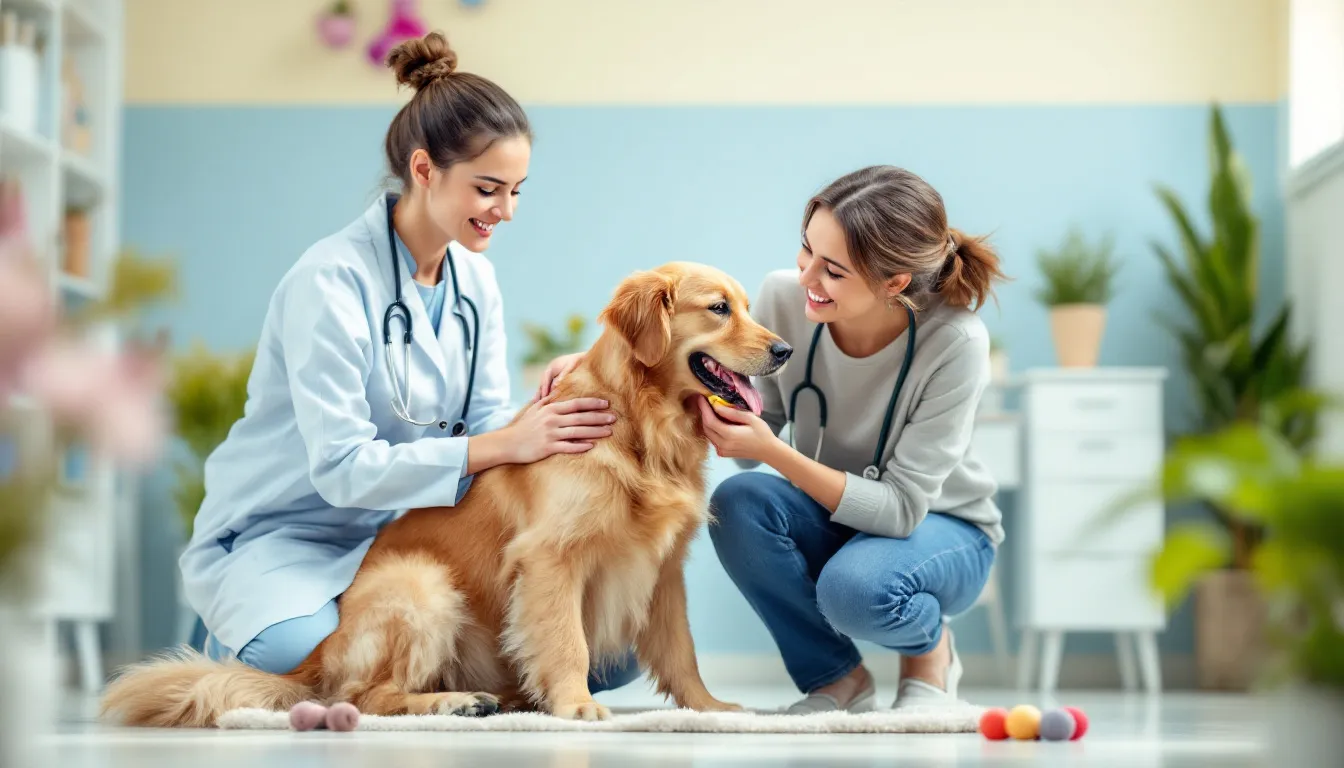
(543, 571)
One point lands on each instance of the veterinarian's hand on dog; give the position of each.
(736, 434)
(555, 371)
(559, 426)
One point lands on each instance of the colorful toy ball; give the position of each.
(1057, 725)
(310, 716)
(1080, 721)
(1023, 722)
(992, 724)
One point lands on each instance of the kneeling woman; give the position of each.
(884, 521)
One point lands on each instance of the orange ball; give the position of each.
(992, 724)
(1023, 722)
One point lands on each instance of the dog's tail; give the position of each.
(183, 688)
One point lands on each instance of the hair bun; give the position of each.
(422, 60)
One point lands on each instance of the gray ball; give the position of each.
(1057, 725)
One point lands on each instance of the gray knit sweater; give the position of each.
(927, 464)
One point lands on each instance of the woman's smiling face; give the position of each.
(835, 291)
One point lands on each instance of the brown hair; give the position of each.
(454, 116)
(895, 224)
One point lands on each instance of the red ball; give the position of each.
(1080, 719)
(992, 724)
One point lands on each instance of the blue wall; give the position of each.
(237, 193)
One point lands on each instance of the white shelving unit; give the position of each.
(70, 179)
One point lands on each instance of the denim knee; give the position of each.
(861, 604)
(616, 673)
(282, 647)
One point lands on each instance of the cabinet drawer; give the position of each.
(1136, 457)
(1100, 406)
(1092, 593)
(1065, 517)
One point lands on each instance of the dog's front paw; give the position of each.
(581, 710)
(466, 704)
(711, 704)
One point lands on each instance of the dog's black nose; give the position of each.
(781, 351)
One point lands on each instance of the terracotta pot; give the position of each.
(77, 228)
(1077, 330)
(1230, 643)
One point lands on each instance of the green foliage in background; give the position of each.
(545, 346)
(1078, 272)
(208, 392)
(1257, 477)
(1240, 373)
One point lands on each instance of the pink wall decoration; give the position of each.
(405, 22)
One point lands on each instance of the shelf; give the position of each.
(20, 147)
(81, 27)
(83, 181)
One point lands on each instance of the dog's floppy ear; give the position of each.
(641, 311)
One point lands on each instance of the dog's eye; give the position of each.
(720, 308)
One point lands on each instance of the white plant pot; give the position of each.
(29, 683)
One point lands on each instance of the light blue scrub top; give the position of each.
(432, 296)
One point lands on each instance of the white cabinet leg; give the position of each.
(998, 632)
(1026, 658)
(1149, 662)
(90, 655)
(1051, 659)
(1124, 655)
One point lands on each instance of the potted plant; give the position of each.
(1255, 476)
(1241, 371)
(545, 346)
(1078, 284)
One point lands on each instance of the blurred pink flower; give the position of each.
(27, 316)
(112, 400)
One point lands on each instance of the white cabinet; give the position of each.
(1091, 436)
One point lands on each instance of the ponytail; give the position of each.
(969, 272)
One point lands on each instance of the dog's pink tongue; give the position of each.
(747, 392)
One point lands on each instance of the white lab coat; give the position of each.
(319, 462)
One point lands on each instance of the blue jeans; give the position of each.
(818, 585)
(282, 647)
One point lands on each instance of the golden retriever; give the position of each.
(544, 571)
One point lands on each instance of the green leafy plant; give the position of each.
(1240, 372)
(1256, 476)
(207, 392)
(1078, 272)
(546, 346)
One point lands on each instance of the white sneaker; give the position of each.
(863, 701)
(916, 693)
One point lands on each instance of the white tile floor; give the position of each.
(1178, 729)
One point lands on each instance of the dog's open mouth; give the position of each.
(732, 386)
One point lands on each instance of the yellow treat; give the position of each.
(1023, 722)
(716, 400)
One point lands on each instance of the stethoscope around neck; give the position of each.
(871, 471)
(401, 392)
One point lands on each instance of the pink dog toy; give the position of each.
(309, 715)
(404, 24)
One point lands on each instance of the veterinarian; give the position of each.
(883, 523)
(380, 382)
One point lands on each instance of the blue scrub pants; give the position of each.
(818, 585)
(281, 647)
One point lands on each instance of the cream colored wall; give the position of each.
(732, 51)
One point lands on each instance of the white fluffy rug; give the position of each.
(954, 719)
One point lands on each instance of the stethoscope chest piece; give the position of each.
(459, 427)
(871, 473)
